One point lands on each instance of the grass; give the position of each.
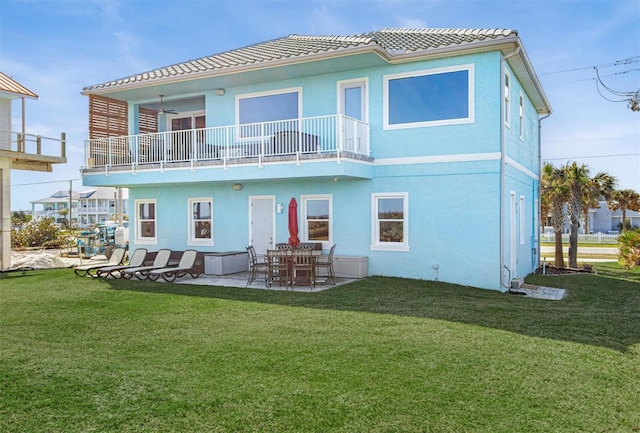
(379, 355)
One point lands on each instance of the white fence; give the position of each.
(593, 238)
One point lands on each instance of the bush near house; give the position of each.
(38, 233)
(630, 248)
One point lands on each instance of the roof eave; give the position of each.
(240, 69)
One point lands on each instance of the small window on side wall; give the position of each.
(200, 221)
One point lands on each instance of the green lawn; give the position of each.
(379, 355)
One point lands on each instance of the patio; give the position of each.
(240, 280)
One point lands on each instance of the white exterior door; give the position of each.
(353, 103)
(261, 223)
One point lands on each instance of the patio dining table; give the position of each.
(283, 266)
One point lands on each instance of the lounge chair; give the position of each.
(117, 255)
(170, 273)
(140, 272)
(136, 259)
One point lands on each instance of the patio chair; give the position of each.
(303, 268)
(170, 273)
(140, 272)
(283, 246)
(117, 255)
(256, 266)
(278, 267)
(326, 262)
(136, 259)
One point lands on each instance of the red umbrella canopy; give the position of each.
(294, 241)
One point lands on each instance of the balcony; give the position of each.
(35, 152)
(306, 139)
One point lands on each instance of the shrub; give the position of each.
(40, 233)
(629, 248)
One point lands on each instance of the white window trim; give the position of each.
(182, 115)
(267, 93)
(471, 97)
(376, 245)
(521, 115)
(507, 99)
(523, 221)
(303, 232)
(342, 84)
(137, 237)
(192, 239)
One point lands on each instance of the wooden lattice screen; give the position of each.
(107, 117)
(147, 121)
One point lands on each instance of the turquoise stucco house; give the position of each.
(415, 150)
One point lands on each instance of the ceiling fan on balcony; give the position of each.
(163, 110)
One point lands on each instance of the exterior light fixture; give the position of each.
(237, 186)
(219, 92)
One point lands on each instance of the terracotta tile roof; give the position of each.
(393, 40)
(8, 85)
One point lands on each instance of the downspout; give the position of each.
(503, 164)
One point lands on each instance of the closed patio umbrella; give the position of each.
(293, 223)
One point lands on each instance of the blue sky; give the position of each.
(57, 47)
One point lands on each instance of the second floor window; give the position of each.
(201, 221)
(429, 98)
(276, 107)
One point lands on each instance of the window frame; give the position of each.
(376, 244)
(304, 199)
(192, 240)
(470, 118)
(523, 221)
(507, 99)
(138, 227)
(521, 115)
(239, 135)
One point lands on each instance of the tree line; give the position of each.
(572, 187)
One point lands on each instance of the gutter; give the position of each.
(539, 186)
(503, 167)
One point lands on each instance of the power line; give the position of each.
(595, 156)
(43, 183)
(628, 60)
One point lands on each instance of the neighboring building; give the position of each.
(20, 151)
(88, 208)
(415, 151)
(604, 220)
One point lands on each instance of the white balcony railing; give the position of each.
(308, 136)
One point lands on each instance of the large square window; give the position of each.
(428, 98)
(265, 113)
(389, 221)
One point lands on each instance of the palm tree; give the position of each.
(554, 194)
(582, 189)
(623, 200)
(600, 186)
(577, 177)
